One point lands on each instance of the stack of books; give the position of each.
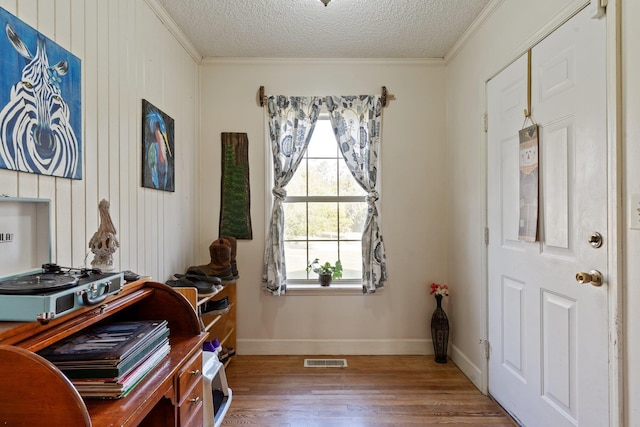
(108, 361)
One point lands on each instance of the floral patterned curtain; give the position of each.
(356, 122)
(291, 123)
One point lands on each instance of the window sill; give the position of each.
(316, 289)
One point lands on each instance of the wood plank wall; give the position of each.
(127, 54)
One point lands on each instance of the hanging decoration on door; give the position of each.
(528, 225)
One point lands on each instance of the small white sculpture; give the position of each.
(104, 242)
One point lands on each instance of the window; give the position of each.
(325, 211)
(358, 130)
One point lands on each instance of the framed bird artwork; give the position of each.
(158, 145)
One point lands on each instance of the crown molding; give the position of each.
(173, 28)
(436, 62)
(484, 15)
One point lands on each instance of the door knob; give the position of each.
(594, 277)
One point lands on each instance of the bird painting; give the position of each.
(158, 161)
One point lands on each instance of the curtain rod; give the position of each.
(384, 98)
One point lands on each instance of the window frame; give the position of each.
(312, 286)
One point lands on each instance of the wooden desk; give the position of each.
(33, 392)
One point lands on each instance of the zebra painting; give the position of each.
(36, 127)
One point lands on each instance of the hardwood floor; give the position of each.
(371, 391)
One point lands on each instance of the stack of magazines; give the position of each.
(108, 361)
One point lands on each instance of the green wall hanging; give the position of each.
(235, 203)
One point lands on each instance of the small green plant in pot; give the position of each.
(326, 272)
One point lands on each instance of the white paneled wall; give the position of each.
(127, 54)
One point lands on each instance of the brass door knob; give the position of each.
(594, 277)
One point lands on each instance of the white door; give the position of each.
(548, 335)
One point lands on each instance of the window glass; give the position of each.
(352, 218)
(298, 184)
(325, 177)
(296, 217)
(325, 210)
(323, 221)
(323, 144)
(348, 185)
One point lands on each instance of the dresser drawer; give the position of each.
(191, 409)
(189, 375)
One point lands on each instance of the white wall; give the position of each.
(413, 206)
(127, 54)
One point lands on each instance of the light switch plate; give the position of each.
(634, 212)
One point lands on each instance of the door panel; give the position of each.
(548, 334)
(510, 196)
(559, 382)
(557, 74)
(557, 158)
(513, 331)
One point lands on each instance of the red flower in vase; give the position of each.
(438, 289)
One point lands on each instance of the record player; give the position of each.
(28, 293)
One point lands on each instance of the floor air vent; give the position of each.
(325, 363)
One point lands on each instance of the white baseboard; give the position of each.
(468, 368)
(325, 347)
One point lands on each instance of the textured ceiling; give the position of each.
(308, 29)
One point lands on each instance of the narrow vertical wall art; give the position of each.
(235, 203)
(528, 229)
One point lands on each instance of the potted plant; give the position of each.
(326, 272)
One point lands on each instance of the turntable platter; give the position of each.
(37, 283)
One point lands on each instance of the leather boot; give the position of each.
(234, 248)
(220, 265)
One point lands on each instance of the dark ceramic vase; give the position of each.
(440, 332)
(325, 279)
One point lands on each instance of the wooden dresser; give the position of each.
(33, 392)
(222, 326)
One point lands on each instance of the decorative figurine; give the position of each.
(104, 242)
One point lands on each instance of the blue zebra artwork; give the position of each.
(157, 148)
(40, 103)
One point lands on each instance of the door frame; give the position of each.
(614, 197)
